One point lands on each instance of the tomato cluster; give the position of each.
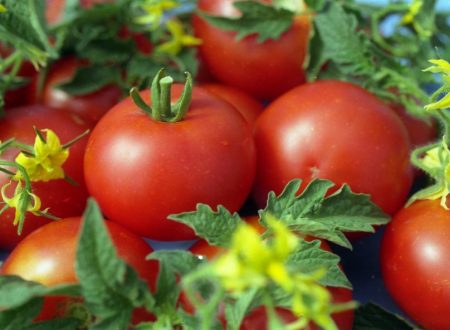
(250, 128)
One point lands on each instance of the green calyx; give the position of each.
(162, 108)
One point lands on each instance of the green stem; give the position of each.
(416, 156)
(165, 97)
(162, 109)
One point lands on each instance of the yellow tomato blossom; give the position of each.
(46, 162)
(414, 9)
(179, 39)
(252, 262)
(442, 67)
(21, 201)
(154, 11)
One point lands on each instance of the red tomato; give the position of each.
(249, 107)
(61, 197)
(48, 255)
(420, 131)
(337, 131)
(264, 70)
(415, 254)
(141, 170)
(90, 107)
(257, 319)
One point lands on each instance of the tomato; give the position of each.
(249, 107)
(415, 254)
(48, 255)
(257, 319)
(420, 131)
(141, 170)
(62, 198)
(90, 107)
(337, 131)
(264, 70)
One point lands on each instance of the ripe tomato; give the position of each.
(264, 70)
(61, 197)
(90, 107)
(257, 319)
(249, 107)
(415, 254)
(141, 170)
(337, 131)
(420, 131)
(48, 255)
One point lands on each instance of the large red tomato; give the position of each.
(415, 256)
(265, 70)
(337, 131)
(90, 107)
(62, 198)
(48, 255)
(141, 170)
(249, 107)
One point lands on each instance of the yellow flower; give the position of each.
(179, 39)
(46, 162)
(414, 9)
(154, 11)
(2, 9)
(22, 200)
(442, 67)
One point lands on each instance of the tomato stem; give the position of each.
(162, 109)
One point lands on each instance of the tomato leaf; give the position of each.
(90, 79)
(15, 291)
(266, 21)
(215, 227)
(21, 301)
(309, 257)
(311, 213)
(236, 310)
(373, 317)
(111, 288)
(23, 26)
(172, 264)
(56, 324)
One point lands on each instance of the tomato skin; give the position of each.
(62, 198)
(264, 70)
(337, 131)
(48, 256)
(91, 107)
(249, 107)
(415, 254)
(167, 168)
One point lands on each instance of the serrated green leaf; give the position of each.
(342, 41)
(172, 265)
(56, 324)
(266, 21)
(309, 257)
(90, 79)
(215, 227)
(20, 318)
(15, 291)
(111, 288)
(373, 317)
(107, 51)
(23, 26)
(311, 213)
